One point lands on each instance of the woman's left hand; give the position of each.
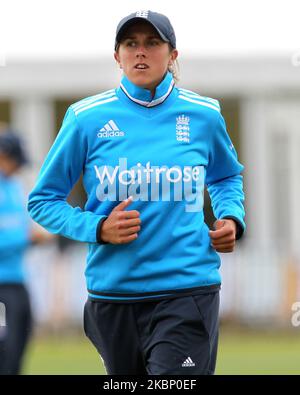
(223, 237)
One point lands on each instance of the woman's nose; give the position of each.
(140, 50)
(140, 55)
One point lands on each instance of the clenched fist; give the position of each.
(121, 226)
(223, 237)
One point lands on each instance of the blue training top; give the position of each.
(14, 230)
(162, 151)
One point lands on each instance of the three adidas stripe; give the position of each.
(197, 99)
(188, 362)
(110, 126)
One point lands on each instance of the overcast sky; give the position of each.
(86, 28)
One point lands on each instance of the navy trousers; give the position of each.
(15, 335)
(165, 337)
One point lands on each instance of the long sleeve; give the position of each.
(223, 178)
(62, 168)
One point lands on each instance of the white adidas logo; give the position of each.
(110, 130)
(188, 363)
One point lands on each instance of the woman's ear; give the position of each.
(117, 59)
(174, 55)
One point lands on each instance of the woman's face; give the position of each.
(8, 166)
(143, 56)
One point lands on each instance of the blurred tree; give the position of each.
(4, 111)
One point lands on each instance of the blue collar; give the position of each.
(143, 96)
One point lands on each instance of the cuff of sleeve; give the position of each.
(239, 226)
(98, 231)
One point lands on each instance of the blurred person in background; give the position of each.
(16, 235)
(146, 150)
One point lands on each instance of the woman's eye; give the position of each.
(131, 44)
(154, 43)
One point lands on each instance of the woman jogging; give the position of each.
(146, 149)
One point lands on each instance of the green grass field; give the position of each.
(240, 352)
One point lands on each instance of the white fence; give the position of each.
(259, 285)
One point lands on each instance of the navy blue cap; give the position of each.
(159, 21)
(12, 146)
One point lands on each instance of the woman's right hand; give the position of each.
(121, 226)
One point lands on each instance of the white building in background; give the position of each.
(261, 278)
